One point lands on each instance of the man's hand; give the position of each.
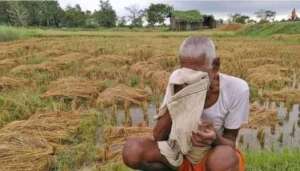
(205, 135)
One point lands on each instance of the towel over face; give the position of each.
(185, 108)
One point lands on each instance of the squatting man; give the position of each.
(199, 119)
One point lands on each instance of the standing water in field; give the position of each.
(285, 134)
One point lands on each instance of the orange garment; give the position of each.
(187, 166)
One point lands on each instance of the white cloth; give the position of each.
(232, 107)
(185, 108)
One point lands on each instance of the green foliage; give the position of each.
(265, 15)
(33, 13)
(74, 17)
(12, 33)
(238, 18)
(20, 104)
(83, 148)
(135, 16)
(287, 159)
(7, 34)
(43, 13)
(157, 13)
(4, 17)
(269, 29)
(189, 16)
(122, 21)
(115, 166)
(209, 20)
(106, 17)
(18, 14)
(134, 80)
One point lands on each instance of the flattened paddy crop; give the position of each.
(60, 95)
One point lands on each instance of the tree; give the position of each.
(51, 13)
(157, 13)
(74, 17)
(4, 16)
(209, 21)
(122, 21)
(135, 15)
(32, 13)
(90, 21)
(106, 16)
(238, 18)
(17, 13)
(265, 15)
(270, 15)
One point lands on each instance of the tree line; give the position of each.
(50, 14)
(263, 16)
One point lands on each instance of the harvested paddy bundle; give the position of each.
(114, 59)
(121, 94)
(152, 72)
(61, 61)
(145, 68)
(8, 63)
(54, 127)
(119, 134)
(159, 79)
(11, 83)
(141, 53)
(32, 68)
(106, 70)
(285, 95)
(30, 144)
(166, 62)
(271, 75)
(114, 67)
(115, 138)
(51, 53)
(254, 62)
(72, 87)
(20, 152)
(53, 65)
(262, 117)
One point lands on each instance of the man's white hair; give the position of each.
(198, 47)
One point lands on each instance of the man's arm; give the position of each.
(162, 128)
(207, 135)
(228, 138)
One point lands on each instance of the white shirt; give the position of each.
(232, 107)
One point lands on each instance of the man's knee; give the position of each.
(222, 158)
(133, 152)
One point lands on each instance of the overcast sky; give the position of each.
(219, 8)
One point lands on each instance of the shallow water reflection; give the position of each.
(285, 134)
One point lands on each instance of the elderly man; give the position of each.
(226, 108)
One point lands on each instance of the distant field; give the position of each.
(60, 90)
(269, 29)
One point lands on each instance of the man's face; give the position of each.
(202, 64)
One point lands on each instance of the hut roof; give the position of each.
(188, 16)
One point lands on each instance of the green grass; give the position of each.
(269, 29)
(20, 104)
(82, 151)
(83, 144)
(8, 33)
(287, 159)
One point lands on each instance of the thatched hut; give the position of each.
(186, 20)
